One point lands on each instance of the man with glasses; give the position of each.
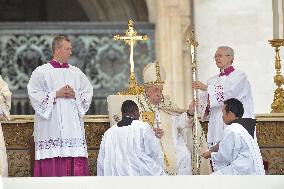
(229, 83)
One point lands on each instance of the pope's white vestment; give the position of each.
(177, 142)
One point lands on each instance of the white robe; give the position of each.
(235, 85)
(177, 141)
(129, 151)
(59, 127)
(5, 105)
(183, 155)
(238, 153)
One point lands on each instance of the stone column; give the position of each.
(172, 19)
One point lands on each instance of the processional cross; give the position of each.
(130, 39)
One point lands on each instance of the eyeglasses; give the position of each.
(219, 56)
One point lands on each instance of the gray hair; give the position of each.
(229, 50)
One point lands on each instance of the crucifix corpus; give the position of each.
(130, 38)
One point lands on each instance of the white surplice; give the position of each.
(238, 153)
(5, 105)
(221, 88)
(130, 151)
(59, 127)
(177, 141)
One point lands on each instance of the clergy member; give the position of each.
(129, 148)
(171, 124)
(5, 105)
(238, 152)
(60, 95)
(229, 83)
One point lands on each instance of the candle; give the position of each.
(275, 19)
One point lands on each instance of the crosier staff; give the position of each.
(196, 148)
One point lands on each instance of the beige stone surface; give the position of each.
(246, 26)
(172, 19)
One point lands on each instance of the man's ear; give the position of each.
(231, 114)
(137, 114)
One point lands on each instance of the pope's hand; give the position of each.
(159, 132)
(206, 154)
(191, 106)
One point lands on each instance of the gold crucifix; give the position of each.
(130, 39)
(193, 45)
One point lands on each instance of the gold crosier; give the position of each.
(130, 39)
(278, 102)
(196, 160)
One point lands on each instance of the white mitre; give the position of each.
(154, 74)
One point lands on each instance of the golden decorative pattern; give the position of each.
(158, 81)
(149, 117)
(134, 88)
(277, 105)
(93, 155)
(131, 39)
(94, 133)
(19, 163)
(275, 158)
(17, 135)
(270, 134)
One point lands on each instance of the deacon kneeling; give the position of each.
(237, 153)
(130, 148)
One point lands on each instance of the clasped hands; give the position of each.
(65, 92)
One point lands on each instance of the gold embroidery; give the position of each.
(149, 117)
(158, 75)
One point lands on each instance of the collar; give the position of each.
(57, 64)
(247, 123)
(125, 121)
(226, 71)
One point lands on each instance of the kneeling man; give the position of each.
(237, 153)
(130, 147)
